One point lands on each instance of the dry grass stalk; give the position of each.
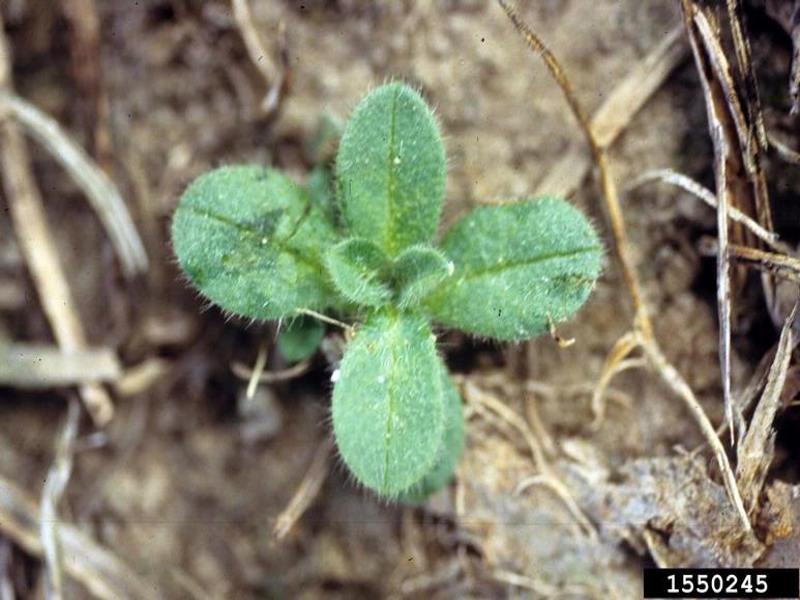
(690, 185)
(43, 366)
(54, 486)
(740, 116)
(138, 378)
(38, 247)
(258, 370)
(274, 76)
(642, 327)
(100, 571)
(615, 114)
(103, 195)
(306, 492)
(244, 372)
(615, 363)
(768, 262)
(720, 119)
(752, 104)
(542, 588)
(757, 448)
(785, 12)
(784, 151)
(547, 476)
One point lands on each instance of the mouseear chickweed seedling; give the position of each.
(259, 245)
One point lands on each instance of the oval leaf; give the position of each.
(388, 405)
(250, 241)
(517, 268)
(357, 267)
(390, 169)
(300, 338)
(449, 451)
(416, 273)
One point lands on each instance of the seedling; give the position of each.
(259, 245)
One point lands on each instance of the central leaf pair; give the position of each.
(365, 275)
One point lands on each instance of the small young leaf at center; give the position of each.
(357, 268)
(417, 272)
(388, 403)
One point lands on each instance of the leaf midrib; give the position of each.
(250, 230)
(389, 238)
(525, 263)
(390, 389)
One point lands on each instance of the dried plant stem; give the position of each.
(678, 385)
(261, 59)
(614, 115)
(325, 319)
(244, 372)
(767, 262)
(757, 448)
(54, 486)
(101, 192)
(258, 369)
(547, 476)
(784, 151)
(614, 364)
(642, 327)
(38, 247)
(39, 366)
(541, 588)
(690, 185)
(99, 570)
(307, 490)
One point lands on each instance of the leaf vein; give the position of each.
(250, 230)
(493, 270)
(390, 179)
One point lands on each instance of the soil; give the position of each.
(189, 479)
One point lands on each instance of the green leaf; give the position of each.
(250, 241)
(390, 169)
(388, 404)
(417, 271)
(516, 266)
(357, 268)
(300, 338)
(320, 192)
(450, 450)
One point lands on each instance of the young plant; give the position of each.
(259, 245)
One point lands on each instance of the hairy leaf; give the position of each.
(449, 451)
(390, 169)
(250, 241)
(416, 273)
(357, 268)
(388, 404)
(516, 267)
(300, 338)
(321, 194)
